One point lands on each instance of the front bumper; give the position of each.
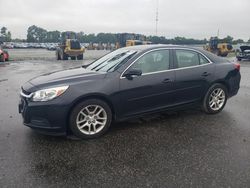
(243, 55)
(44, 117)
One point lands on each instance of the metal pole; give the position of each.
(157, 19)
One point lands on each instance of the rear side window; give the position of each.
(214, 58)
(203, 60)
(186, 58)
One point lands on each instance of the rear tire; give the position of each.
(65, 56)
(80, 57)
(217, 52)
(215, 99)
(58, 56)
(90, 119)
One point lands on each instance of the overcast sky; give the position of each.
(189, 18)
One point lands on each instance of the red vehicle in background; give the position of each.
(4, 55)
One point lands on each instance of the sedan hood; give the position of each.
(64, 77)
(244, 48)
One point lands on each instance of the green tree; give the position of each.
(36, 34)
(227, 39)
(105, 38)
(90, 38)
(3, 30)
(80, 36)
(238, 41)
(8, 36)
(68, 35)
(5, 35)
(53, 36)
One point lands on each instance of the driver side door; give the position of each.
(153, 89)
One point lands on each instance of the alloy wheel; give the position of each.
(91, 119)
(217, 99)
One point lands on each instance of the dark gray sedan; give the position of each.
(125, 83)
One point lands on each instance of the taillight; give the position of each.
(237, 66)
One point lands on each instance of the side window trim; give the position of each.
(172, 60)
(151, 53)
(171, 64)
(175, 63)
(200, 55)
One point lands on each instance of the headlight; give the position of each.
(48, 94)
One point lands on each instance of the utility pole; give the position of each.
(218, 33)
(156, 18)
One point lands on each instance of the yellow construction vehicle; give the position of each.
(70, 48)
(133, 42)
(218, 48)
(130, 39)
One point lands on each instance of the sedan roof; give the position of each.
(211, 56)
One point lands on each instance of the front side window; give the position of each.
(186, 58)
(153, 62)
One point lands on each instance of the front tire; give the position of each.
(90, 119)
(215, 99)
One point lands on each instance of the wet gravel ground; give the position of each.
(43, 54)
(181, 149)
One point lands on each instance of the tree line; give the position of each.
(37, 34)
(5, 35)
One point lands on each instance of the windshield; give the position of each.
(112, 61)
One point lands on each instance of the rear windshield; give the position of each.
(112, 61)
(214, 58)
(75, 44)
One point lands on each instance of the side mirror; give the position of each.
(129, 74)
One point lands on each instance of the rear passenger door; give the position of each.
(194, 72)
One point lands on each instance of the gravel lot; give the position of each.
(182, 149)
(46, 55)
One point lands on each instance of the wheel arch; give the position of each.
(91, 96)
(223, 82)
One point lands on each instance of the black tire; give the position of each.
(65, 56)
(239, 59)
(206, 107)
(217, 52)
(58, 56)
(2, 59)
(73, 57)
(80, 57)
(75, 115)
(225, 55)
